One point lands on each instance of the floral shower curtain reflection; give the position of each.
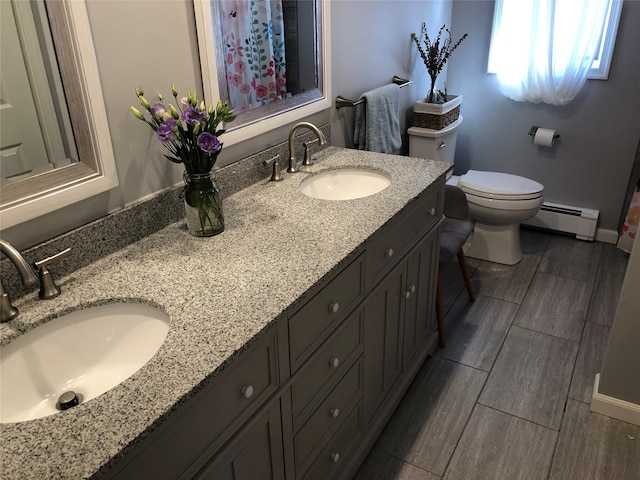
(253, 33)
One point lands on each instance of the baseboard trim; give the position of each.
(606, 236)
(614, 407)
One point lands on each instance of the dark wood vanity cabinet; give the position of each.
(324, 379)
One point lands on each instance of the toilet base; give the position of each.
(496, 243)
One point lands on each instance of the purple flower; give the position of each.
(158, 110)
(193, 116)
(209, 143)
(165, 131)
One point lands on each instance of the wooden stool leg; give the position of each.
(440, 311)
(465, 274)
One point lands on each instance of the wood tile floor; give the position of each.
(508, 398)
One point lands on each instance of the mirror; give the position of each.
(73, 158)
(269, 58)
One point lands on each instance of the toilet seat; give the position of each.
(504, 203)
(499, 186)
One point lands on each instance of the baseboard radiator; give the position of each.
(563, 218)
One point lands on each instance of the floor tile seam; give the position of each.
(592, 284)
(575, 365)
(549, 334)
(568, 277)
(412, 464)
(546, 427)
(462, 431)
(501, 343)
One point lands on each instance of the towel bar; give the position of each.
(345, 102)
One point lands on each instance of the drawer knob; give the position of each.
(334, 307)
(335, 457)
(247, 391)
(388, 252)
(407, 294)
(432, 211)
(334, 412)
(334, 362)
(412, 289)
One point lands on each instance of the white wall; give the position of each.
(599, 130)
(619, 378)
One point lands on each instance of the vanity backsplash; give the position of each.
(113, 232)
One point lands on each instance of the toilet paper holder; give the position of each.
(535, 128)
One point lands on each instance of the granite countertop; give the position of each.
(220, 293)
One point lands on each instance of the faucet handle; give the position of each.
(275, 176)
(48, 288)
(307, 152)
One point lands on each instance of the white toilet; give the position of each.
(498, 202)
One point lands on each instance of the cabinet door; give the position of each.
(420, 295)
(383, 325)
(256, 453)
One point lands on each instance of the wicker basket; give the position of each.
(435, 122)
(434, 116)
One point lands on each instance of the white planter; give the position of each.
(421, 106)
(436, 116)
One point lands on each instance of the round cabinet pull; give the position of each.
(335, 457)
(442, 145)
(432, 211)
(247, 391)
(334, 362)
(334, 307)
(334, 412)
(388, 252)
(407, 294)
(412, 289)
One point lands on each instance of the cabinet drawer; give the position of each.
(337, 450)
(327, 364)
(255, 453)
(329, 414)
(310, 325)
(387, 248)
(211, 416)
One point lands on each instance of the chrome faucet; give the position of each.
(8, 311)
(292, 156)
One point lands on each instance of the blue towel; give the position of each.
(377, 127)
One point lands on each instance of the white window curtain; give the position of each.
(542, 50)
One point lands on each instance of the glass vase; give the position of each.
(203, 204)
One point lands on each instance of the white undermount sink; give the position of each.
(344, 184)
(87, 352)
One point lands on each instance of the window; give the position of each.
(548, 57)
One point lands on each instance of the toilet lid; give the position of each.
(499, 185)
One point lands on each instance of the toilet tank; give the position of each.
(434, 144)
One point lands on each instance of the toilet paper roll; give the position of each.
(544, 137)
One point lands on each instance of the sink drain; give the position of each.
(68, 400)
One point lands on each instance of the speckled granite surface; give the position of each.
(219, 292)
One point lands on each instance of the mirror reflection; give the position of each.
(269, 55)
(36, 129)
(262, 46)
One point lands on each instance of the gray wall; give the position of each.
(599, 130)
(371, 42)
(148, 43)
(154, 43)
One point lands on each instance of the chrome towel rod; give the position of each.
(345, 102)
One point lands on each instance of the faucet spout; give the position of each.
(8, 311)
(293, 166)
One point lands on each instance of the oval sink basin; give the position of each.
(87, 352)
(344, 184)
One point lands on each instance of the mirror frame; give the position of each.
(268, 117)
(96, 170)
